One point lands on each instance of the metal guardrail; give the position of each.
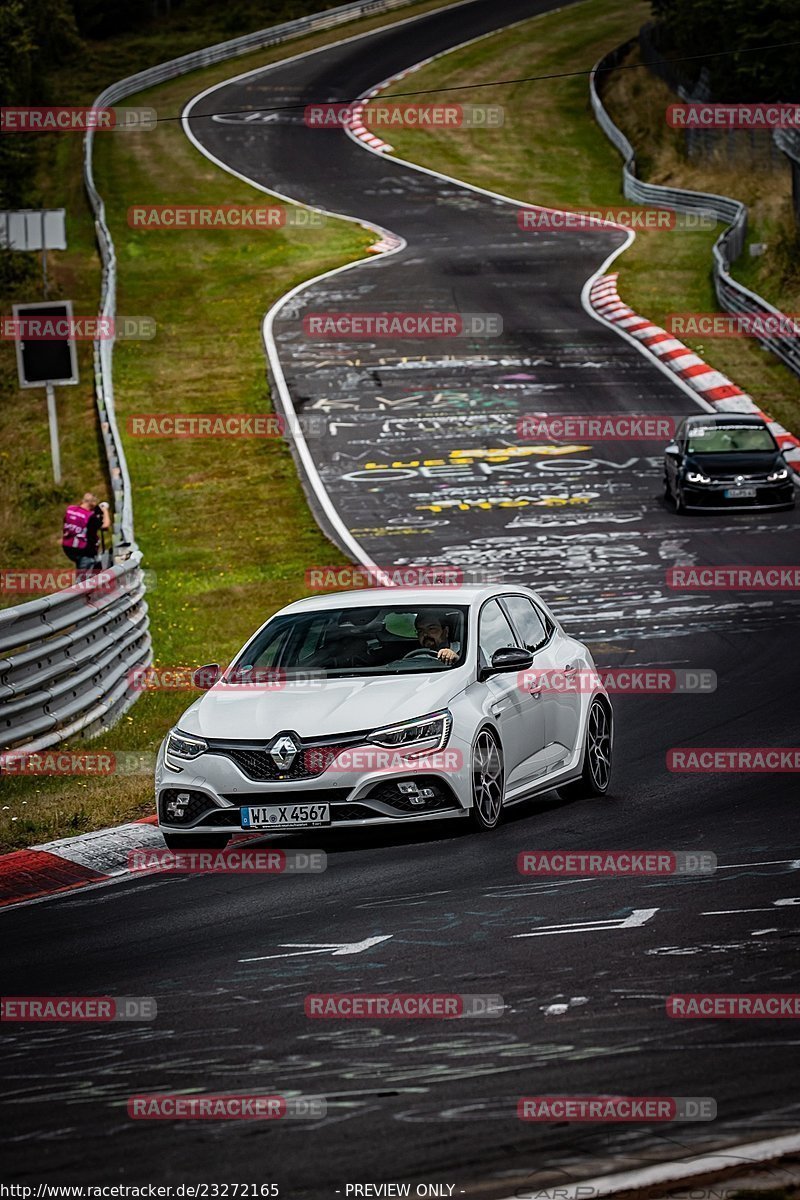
(734, 297)
(66, 659)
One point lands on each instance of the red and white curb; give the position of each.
(711, 386)
(76, 862)
(356, 124)
(73, 862)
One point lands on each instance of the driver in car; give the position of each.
(434, 635)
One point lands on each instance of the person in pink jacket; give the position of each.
(82, 525)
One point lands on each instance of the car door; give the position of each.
(521, 729)
(565, 700)
(535, 632)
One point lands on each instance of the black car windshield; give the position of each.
(392, 639)
(729, 439)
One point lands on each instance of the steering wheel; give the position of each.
(422, 652)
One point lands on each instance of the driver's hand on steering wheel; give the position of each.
(447, 655)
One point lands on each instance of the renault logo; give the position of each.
(283, 752)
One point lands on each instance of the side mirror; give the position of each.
(508, 658)
(205, 677)
(672, 450)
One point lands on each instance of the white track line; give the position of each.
(672, 1172)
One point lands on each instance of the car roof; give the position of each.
(726, 418)
(426, 597)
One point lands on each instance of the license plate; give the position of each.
(740, 493)
(286, 816)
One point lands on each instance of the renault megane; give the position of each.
(385, 706)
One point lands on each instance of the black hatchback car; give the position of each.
(722, 461)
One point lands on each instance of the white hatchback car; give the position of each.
(385, 706)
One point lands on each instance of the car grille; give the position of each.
(746, 479)
(353, 812)
(306, 796)
(313, 757)
(259, 764)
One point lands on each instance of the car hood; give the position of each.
(753, 463)
(335, 706)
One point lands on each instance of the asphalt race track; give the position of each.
(426, 1100)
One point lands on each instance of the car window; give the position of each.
(389, 639)
(494, 631)
(729, 439)
(529, 624)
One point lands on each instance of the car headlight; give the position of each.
(417, 737)
(776, 476)
(697, 477)
(182, 746)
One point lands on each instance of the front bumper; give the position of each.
(218, 789)
(711, 496)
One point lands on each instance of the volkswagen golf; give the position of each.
(385, 706)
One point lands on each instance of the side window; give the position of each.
(530, 625)
(494, 631)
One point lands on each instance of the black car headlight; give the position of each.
(697, 477)
(778, 476)
(182, 747)
(420, 736)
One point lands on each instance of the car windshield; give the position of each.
(729, 439)
(393, 639)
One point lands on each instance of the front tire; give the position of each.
(185, 841)
(595, 774)
(488, 779)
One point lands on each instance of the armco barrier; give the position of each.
(65, 659)
(732, 296)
